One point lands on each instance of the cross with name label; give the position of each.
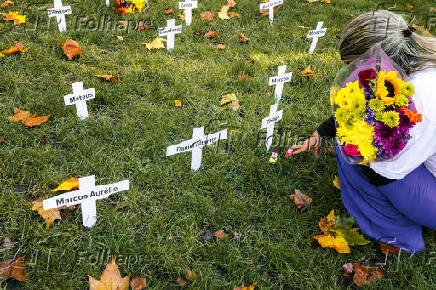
(188, 5)
(79, 98)
(59, 12)
(87, 195)
(279, 80)
(169, 32)
(315, 34)
(107, 3)
(196, 144)
(269, 123)
(270, 7)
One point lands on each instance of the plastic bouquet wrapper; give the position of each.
(131, 6)
(373, 108)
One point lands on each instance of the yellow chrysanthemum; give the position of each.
(360, 134)
(391, 118)
(353, 88)
(402, 100)
(344, 118)
(341, 98)
(407, 89)
(333, 93)
(376, 105)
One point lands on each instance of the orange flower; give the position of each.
(413, 116)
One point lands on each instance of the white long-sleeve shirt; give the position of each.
(421, 148)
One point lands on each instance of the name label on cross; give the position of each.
(284, 79)
(54, 11)
(269, 4)
(320, 32)
(184, 5)
(171, 30)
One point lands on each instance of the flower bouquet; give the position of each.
(131, 6)
(373, 108)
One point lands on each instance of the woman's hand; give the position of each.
(313, 141)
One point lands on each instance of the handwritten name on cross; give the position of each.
(279, 80)
(59, 12)
(79, 98)
(270, 7)
(86, 196)
(188, 5)
(315, 34)
(269, 123)
(169, 32)
(196, 144)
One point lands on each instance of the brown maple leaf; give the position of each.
(110, 279)
(242, 287)
(18, 47)
(211, 34)
(220, 234)
(138, 283)
(14, 268)
(388, 249)
(207, 15)
(169, 11)
(71, 49)
(301, 200)
(243, 38)
(19, 115)
(35, 121)
(6, 3)
(109, 78)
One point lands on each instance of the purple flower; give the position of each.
(389, 139)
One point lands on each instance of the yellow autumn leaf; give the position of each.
(6, 3)
(49, 215)
(68, 184)
(307, 72)
(157, 43)
(336, 182)
(177, 103)
(229, 101)
(14, 16)
(338, 243)
(223, 12)
(110, 279)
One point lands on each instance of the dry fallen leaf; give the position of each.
(71, 49)
(123, 22)
(35, 121)
(220, 46)
(243, 38)
(231, 3)
(119, 37)
(138, 283)
(432, 9)
(220, 234)
(422, 30)
(301, 200)
(180, 281)
(266, 12)
(142, 25)
(2, 140)
(242, 287)
(243, 78)
(18, 47)
(363, 275)
(190, 275)
(223, 12)
(19, 115)
(109, 78)
(234, 14)
(322, 1)
(14, 16)
(14, 268)
(6, 3)
(177, 103)
(229, 101)
(307, 72)
(110, 279)
(207, 15)
(211, 34)
(388, 249)
(169, 11)
(410, 6)
(182, 15)
(157, 43)
(68, 184)
(48, 215)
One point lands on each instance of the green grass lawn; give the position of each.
(162, 225)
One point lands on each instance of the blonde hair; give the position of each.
(412, 53)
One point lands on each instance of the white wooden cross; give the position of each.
(59, 12)
(169, 32)
(87, 195)
(269, 123)
(279, 80)
(315, 34)
(196, 144)
(270, 7)
(108, 3)
(188, 5)
(79, 98)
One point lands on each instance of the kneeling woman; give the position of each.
(391, 198)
